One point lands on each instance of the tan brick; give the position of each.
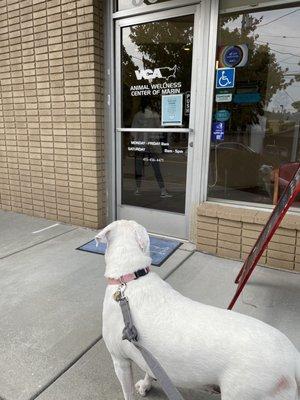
(279, 255)
(297, 266)
(231, 223)
(246, 249)
(36, 112)
(208, 209)
(51, 216)
(280, 263)
(208, 234)
(235, 255)
(291, 221)
(203, 226)
(229, 230)
(281, 247)
(286, 232)
(229, 213)
(230, 238)
(283, 239)
(262, 217)
(201, 218)
(207, 241)
(250, 234)
(91, 224)
(248, 241)
(90, 213)
(206, 249)
(253, 227)
(297, 247)
(229, 245)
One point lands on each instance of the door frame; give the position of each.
(205, 36)
(157, 221)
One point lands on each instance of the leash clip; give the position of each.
(122, 288)
(119, 294)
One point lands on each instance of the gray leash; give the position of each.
(130, 333)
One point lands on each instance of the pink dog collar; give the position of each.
(129, 277)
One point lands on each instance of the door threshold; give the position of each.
(169, 237)
(186, 244)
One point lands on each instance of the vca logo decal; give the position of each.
(163, 73)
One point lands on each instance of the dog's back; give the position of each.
(198, 344)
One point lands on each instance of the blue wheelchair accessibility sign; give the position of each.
(225, 78)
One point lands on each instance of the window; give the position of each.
(256, 110)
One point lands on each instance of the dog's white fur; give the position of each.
(197, 344)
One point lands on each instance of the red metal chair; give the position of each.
(292, 190)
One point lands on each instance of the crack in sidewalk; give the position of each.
(36, 244)
(64, 370)
(180, 264)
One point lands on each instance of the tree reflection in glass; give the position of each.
(156, 61)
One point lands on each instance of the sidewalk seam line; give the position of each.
(65, 369)
(36, 244)
(179, 265)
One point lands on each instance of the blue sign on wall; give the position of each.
(218, 130)
(233, 55)
(225, 78)
(222, 115)
(247, 98)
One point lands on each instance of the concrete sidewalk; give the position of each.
(50, 304)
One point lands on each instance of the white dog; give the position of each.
(197, 345)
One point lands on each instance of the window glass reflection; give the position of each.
(154, 170)
(156, 81)
(255, 131)
(156, 62)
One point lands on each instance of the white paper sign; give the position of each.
(171, 109)
(223, 97)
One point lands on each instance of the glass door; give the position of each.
(153, 136)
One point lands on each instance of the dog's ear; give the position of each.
(101, 236)
(142, 238)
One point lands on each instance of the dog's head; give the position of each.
(130, 230)
(266, 170)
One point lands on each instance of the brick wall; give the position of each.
(51, 110)
(231, 232)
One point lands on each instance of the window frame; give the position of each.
(146, 9)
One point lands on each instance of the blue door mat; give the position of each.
(160, 249)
